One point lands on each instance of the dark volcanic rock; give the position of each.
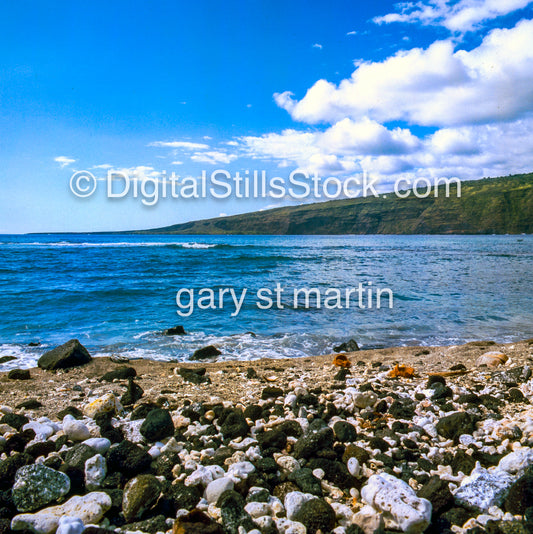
(19, 374)
(128, 458)
(177, 330)
(306, 481)
(15, 420)
(5, 359)
(453, 425)
(133, 393)
(232, 512)
(520, 496)
(271, 392)
(157, 425)
(344, 431)
(70, 354)
(348, 346)
(195, 376)
(234, 425)
(438, 493)
(196, 522)
(316, 515)
(205, 352)
(122, 373)
(402, 409)
(9, 467)
(30, 404)
(309, 445)
(272, 439)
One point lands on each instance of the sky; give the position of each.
(162, 92)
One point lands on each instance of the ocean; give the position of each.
(116, 293)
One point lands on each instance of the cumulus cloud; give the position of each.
(64, 161)
(437, 86)
(458, 17)
(213, 157)
(180, 144)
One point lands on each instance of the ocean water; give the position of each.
(116, 293)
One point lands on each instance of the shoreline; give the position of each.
(55, 388)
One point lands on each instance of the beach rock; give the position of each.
(70, 354)
(216, 488)
(19, 374)
(483, 489)
(438, 493)
(140, 494)
(205, 352)
(70, 525)
(100, 445)
(95, 472)
(121, 373)
(5, 359)
(89, 508)
(348, 346)
(74, 429)
(133, 393)
(344, 431)
(369, 521)
(316, 515)
(36, 486)
(293, 502)
(70, 410)
(520, 496)
(453, 425)
(399, 504)
(309, 444)
(42, 430)
(108, 403)
(14, 420)
(128, 458)
(234, 425)
(516, 462)
(196, 522)
(30, 404)
(157, 425)
(306, 481)
(195, 376)
(9, 467)
(177, 330)
(271, 392)
(233, 514)
(402, 409)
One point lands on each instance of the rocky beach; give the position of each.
(410, 439)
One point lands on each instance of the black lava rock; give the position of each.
(121, 373)
(402, 409)
(9, 467)
(271, 392)
(306, 481)
(128, 458)
(344, 431)
(438, 493)
(253, 412)
(205, 352)
(177, 330)
(316, 515)
(309, 445)
(70, 354)
(272, 439)
(19, 374)
(234, 425)
(348, 346)
(232, 512)
(516, 396)
(15, 420)
(30, 404)
(195, 376)
(70, 410)
(453, 425)
(157, 425)
(520, 496)
(133, 393)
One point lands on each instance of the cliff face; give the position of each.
(488, 206)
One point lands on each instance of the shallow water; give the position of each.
(115, 293)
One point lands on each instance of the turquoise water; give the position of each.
(115, 293)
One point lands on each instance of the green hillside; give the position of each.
(488, 206)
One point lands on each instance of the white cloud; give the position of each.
(180, 144)
(177, 163)
(436, 86)
(64, 161)
(459, 17)
(213, 157)
(104, 166)
(353, 32)
(318, 45)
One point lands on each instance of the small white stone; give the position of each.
(95, 472)
(74, 429)
(204, 475)
(100, 445)
(319, 473)
(287, 463)
(240, 471)
(70, 525)
(517, 461)
(353, 466)
(258, 509)
(42, 431)
(294, 501)
(216, 488)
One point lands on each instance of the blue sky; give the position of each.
(431, 88)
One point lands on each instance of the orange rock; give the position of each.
(342, 361)
(402, 371)
(492, 359)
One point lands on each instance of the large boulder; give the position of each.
(70, 354)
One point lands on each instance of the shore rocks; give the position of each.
(140, 494)
(205, 352)
(19, 374)
(36, 486)
(456, 424)
(70, 354)
(177, 330)
(157, 425)
(348, 346)
(399, 504)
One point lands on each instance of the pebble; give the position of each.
(140, 494)
(74, 429)
(106, 404)
(95, 472)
